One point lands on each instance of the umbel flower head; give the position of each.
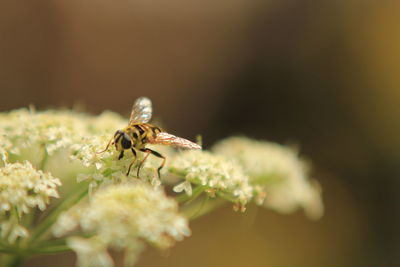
(105, 168)
(30, 135)
(52, 130)
(26, 129)
(278, 175)
(120, 217)
(217, 174)
(22, 188)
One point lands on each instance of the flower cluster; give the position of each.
(22, 188)
(124, 212)
(278, 175)
(217, 174)
(30, 135)
(119, 217)
(105, 168)
(26, 129)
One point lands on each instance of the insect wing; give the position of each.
(172, 140)
(141, 110)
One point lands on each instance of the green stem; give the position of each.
(203, 202)
(44, 159)
(16, 261)
(51, 243)
(197, 210)
(186, 198)
(227, 197)
(51, 249)
(45, 226)
(7, 251)
(177, 172)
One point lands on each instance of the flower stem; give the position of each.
(7, 251)
(203, 202)
(45, 226)
(51, 249)
(186, 198)
(15, 261)
(206, 206)
(45, 158)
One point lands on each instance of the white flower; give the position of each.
(91, 252)
(22, 188)
(11, 230)
(121, 216)
(277, 174)
(105, 168)
(30, 135)
(184, 186)
(24, 129)
(216, 173)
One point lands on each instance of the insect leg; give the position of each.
(133, 161)
(155, 153)
(121, 155)
(141, 163)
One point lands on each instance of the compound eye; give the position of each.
(126, 142)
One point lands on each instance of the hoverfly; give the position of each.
(138, 133)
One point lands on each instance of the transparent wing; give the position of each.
(172, 140)
(141, 110)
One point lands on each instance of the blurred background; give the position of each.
(321, 74)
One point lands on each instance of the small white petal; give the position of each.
(91, 252)
(279, 177)
(123, 214)
(213, 172)
(184, 186)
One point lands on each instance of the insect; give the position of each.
(138, 133)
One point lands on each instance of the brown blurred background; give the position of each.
(323, 74)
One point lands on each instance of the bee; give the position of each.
(139, 133)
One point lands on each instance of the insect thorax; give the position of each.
(139, 133)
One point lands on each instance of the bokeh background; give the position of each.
(320, 74)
